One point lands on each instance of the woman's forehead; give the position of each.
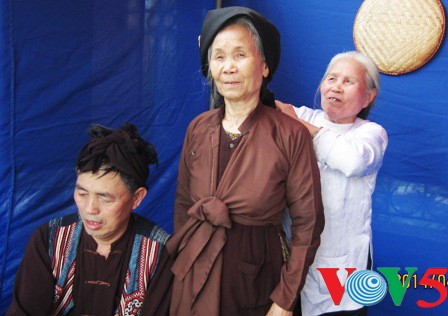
(348, 67)
(233, 35)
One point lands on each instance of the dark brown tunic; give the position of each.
(229, 227)
(245, 289)
(98, 281)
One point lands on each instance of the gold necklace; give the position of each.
(233, 136)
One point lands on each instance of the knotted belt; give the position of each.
(200, 241)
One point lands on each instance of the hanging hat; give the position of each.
(217, 19)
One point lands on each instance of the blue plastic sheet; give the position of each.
(68, 64)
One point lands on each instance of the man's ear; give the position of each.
(138, 197)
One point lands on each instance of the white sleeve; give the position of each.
(357, 153)
(305, 113)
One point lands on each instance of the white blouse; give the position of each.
(349, 157)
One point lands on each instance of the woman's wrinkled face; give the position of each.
(344, 91)
(236, 66)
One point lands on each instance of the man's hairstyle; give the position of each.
(122, 151)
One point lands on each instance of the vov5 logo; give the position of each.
(368, 287)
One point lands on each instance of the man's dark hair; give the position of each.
(122, 151)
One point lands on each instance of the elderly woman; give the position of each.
(241, 165)
(349, 151)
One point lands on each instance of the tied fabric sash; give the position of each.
(199, 242)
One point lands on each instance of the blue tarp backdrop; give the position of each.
(68, 64)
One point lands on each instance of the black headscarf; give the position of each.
(217, 19)
(121, 150)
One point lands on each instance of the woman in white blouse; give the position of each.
(349, 149)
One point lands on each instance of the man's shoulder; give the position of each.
(66, 220)
(147, 228)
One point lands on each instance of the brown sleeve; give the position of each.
(34, 284)
(183, 199)
(158, 296)
(304, 201)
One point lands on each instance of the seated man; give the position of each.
(105, 259)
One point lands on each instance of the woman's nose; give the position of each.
(336, 87)
(229, 66)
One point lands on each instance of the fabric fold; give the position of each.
(200, 241)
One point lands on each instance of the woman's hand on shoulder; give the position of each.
(276, 310)
(288, 109)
